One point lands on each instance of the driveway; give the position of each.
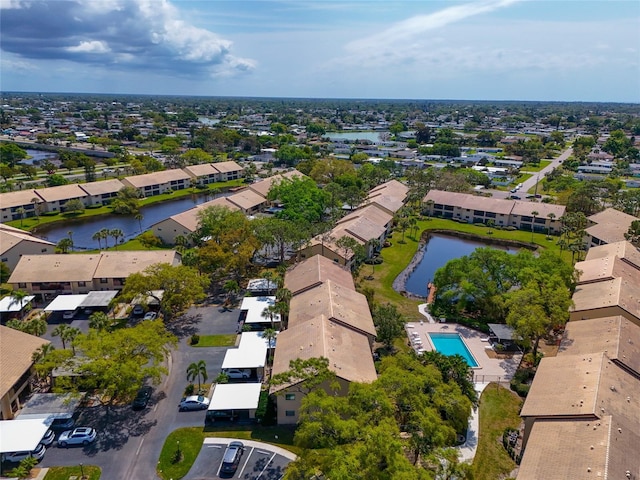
(129, 442)
(259, 461)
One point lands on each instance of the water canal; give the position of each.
(83, 229)
(435, 253)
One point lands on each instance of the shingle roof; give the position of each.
(18, 199)
(348, 352)
(122, 264)
(263, 186)
(16, 349)
(314, 271)
(624, 250)
(157, 178)
(99, 188)
(610, 225)
(62, 192)
(336, 302)
(55, 268)
(226, 167)
(9, 239)
(246, 199)
(608, 293)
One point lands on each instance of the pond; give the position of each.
(83, 229)
(38, 156)
(352, 136)
(435, 253)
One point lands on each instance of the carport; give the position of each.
(11, 305)
(502, 334)
(234, 401)
(251, 353)
(99, 299)
(21, 435)
(251, 311)
(66, 302)
(49, 406)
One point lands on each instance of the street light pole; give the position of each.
(81, 472)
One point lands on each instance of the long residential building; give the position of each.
(49, 275)
(608, 226)
(14, 243)
(582, 413)
(327, 318)
(541, 217)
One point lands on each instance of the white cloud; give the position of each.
(411, 28)
(92, 46)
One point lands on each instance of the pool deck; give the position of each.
(489, 369)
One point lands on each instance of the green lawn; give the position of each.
(522, 177)
(499, 409)
(398, 256)
(189, 440)
(217, 341)
(536, 168)
(64, 473)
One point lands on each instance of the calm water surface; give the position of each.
(437, 252)
(83, 230)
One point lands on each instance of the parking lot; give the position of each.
(259, 461)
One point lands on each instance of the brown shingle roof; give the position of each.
(16, 349)
(607, 268)
(608, 293)
(263, 186)
(62, 192)
(335, 302)
(246, 199)
(624, 250)
(9, 239)
(200, 170)
(617, 337)
(18, 199)
(157, 178)
(610, 225)
(315, 271)
(122, 264)
(226, 167)
(371, 212)
(55, 268)
(99, 188)
(348, 352)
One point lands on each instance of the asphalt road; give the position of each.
(129, 442)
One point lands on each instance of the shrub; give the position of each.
(189, 390)
(195, 339)
(222, 378)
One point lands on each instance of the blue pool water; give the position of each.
(452, 344)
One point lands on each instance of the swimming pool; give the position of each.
(452, 344)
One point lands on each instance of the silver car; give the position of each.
(77, 436)
(194, 402)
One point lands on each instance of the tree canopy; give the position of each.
(303, 200)
(180, 285)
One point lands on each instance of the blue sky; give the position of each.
(560, 50)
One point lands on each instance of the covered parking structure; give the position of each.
(251, 312)
(66, 303)
(98, 299)
(21, 435)
(250, 354)
(234, 401)
(11, 306)
(48, 407)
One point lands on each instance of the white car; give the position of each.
(237, 373)
(69, 314)
(150, 316)
(194, 402)
(48, 438)
(17, 457)
(77, 436)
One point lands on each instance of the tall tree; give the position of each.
(181, 286)
(197, 370)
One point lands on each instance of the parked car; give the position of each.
(237, 373)
(194, 402)
(69, 314)
(62, 424)
(48, 438)
(142, 398)
(231, 458)
(77, 436)
(150, 316)
(138, 310)
(17, 457)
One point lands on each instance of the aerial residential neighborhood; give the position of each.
(319, 240)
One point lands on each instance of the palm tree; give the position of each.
(98, 237)
(20, 211)
(138, 216)
(104, 233)
(41, 352)
(429, 204)
(66, 333)
(116, 233)
(534, 214)
(551, 216)
(64, 245)
(197, 370)
(231, 287)
(70, 234)
(270, 312)
(99, 321)
(18, 298)
(270, 334)
(36, 207)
